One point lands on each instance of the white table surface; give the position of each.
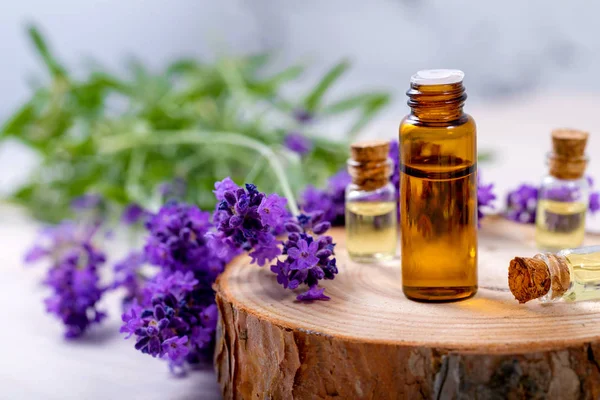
(37, 363)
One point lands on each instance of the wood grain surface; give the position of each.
(369, 341)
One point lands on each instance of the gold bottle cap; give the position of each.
(568, 160)
(369, 165)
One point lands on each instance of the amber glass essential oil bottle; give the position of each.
(438, 190)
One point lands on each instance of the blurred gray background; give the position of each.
(505, 48)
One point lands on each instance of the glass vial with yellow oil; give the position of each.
(564, 194)
(371, 221)
(571, 275)
(438, 190)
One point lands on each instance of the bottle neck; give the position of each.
(560, 278)
(437, 103)
(370, 175)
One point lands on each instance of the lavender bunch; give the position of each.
(73, 274)
(330, 200)
(178, 323)
(309, 256)
(247, 219)
(173, 314)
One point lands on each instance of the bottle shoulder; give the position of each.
(411, 122)
(384, 193)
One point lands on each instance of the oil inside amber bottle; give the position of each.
(438, 191)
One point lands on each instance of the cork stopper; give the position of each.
(369, 165)
(568, 160)
(532, 278)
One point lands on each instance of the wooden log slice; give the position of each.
(370, 342)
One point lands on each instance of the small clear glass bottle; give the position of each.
(564, 194)
(570, 275)
(371, 221)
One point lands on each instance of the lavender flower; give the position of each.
(174, 189)
(73, 275)
(127, 276)
(134, 213)
(179, 322)
(485, 197)
(245, 218)
(594, 202)
(226, 185)
(303, 116)
(173, 315)
(298, 143)
(309, 256)
(521, 204)
(87, 202)
(331, 200)
(177, 240)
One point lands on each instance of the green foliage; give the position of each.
(122, 136)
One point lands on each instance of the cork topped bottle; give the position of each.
(438, 190)
(371, 222)
(564, 193)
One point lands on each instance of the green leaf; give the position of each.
(15, 125)
(353, 102)
(368, 112)
(39, 43)
(314, 98)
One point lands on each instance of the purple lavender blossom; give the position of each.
(331, 200)
(245, 219)
(594, 202)
(175, 348)
(177, 240)
(174, 189)
(303, 116)
(127, 276)
(485, 197)
(309, 256)
(134, 213)
(178, 323)
(521, 204)
(314, 293)
(298, 143)
(272, 209)
(226, 185)
(73, 275)
(87, 202)
(304, 255)
(173, 316)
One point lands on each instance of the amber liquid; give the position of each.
(438, 196)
